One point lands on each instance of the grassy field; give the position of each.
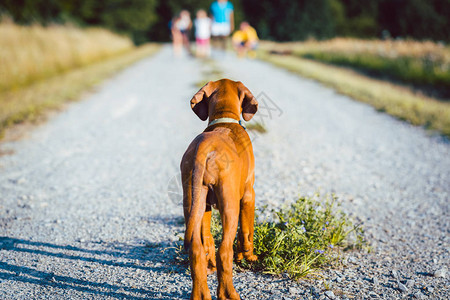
(44, 78)
(423, 64)
(32, 53)
(399, 101)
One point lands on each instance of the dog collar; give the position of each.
(226, 120)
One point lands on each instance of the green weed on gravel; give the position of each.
(308, 236)
(211, 73)
(256, 126)
(299, 240)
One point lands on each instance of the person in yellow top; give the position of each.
(245, 40)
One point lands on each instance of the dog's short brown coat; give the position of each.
(218, 170)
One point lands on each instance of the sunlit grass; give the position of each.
(412, 62)
(386, 48)
(32, 53)
(395, 100)
(28, 103)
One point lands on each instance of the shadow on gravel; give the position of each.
(147, 257)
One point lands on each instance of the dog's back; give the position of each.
(221, 147)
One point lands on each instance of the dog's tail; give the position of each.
(198, 203)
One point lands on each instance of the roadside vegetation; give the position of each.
(309, 235)
(400, 101)
(44, 67)
(32, 53)
(424, 64)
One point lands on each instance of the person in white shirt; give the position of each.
(202, 34)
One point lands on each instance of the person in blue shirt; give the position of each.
(222, 15)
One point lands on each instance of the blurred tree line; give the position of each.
(282, 20)
(288, 20)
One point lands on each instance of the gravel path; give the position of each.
(86, 213)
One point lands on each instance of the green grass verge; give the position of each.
(307, 236)
(395, 100)
(416, 70)
(30, 102)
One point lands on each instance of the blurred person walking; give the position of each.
(177, 38)
(202, 34)
(181, 27)
(245, 40)
(222, 12)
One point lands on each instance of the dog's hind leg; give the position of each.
(229, 212)
(197, 260)
(208, 240)
(247, 218)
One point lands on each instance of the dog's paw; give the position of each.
(239, 256)
(227, 294)
(200, 291)
(251, 257)
(211, 270)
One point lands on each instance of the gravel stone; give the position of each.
(375, 281)
(410, 283)
(102, 213)
(419, 295)
(440, 273)
(402, 287)
(352, 260)
(330, 295)
(373, 294)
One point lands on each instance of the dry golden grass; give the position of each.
(395, 100)
(29, 103)
(31, 53)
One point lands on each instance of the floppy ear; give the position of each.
(249, 103)
(199, 103)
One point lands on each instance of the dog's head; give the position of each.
(224, 99)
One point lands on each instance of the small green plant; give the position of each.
(181, 256)
(212, 72)
(256, 126)
(309, 235)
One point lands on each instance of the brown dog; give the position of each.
(218, 170)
